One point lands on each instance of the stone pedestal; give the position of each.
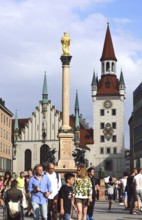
(102, 196)
(65, 154)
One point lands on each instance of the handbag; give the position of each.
(73, 214)
(14, 208)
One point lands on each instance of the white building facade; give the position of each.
(108, 96)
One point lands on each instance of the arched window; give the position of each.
(44, 150)
(28, 159)
(107, 66)
(112, 67)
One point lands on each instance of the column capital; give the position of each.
(66, 60)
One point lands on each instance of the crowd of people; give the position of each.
(128, 191)
(45, 193)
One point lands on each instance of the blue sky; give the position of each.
(30, 34)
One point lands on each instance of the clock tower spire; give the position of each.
(108, 95)
(108, 58)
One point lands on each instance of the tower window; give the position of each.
(108, 150)
(102, 138)
(113, 111)
(101, 150)
(107, 66)
(114, 125)
(107, 84)
(102, 112)
(102, 125)
(115, 150)
(112, 66)
(114, 138)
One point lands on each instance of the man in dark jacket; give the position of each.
(15, 195)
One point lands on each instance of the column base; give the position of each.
(65, 151)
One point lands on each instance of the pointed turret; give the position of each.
(45, 91)
(16, 130)
(121, 81)
(108, 50)
(94, 84)
(122, 85)
(77, 124)
(108, 58)
(16, 125)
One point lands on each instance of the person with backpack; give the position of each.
(110, 190)
(55, 180)
(13, 198)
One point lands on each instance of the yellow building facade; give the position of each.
(5, 138)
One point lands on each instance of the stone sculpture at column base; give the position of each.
(65, 144)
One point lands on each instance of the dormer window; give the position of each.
(107, 83)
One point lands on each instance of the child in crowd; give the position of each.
(66, 197)
(110, 189)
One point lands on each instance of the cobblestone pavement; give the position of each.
(117, 212)
(101, 212)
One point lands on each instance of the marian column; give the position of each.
(65, 134)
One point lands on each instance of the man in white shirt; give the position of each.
(55, 180)
(138, 187)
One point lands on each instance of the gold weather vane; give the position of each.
(65, 44)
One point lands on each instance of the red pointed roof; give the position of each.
(108, 50)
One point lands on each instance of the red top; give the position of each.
(108, 85)
(108, 50)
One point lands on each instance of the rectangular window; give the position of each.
(114, 138)
(102, 138)
(113, 111)
(108, 165)
(102, 112)
(108, 150)
(114, 125)
(102, 125)
(101, 150)
(107, 83)
(115, 150)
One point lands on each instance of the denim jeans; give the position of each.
(89, 217)
(66, 216)
(39, 207)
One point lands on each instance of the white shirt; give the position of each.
(55, 184)
(138, 181)
(124, 182)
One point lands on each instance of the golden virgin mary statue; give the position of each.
(65, 44)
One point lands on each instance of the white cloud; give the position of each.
(122, 21)
(30, 33)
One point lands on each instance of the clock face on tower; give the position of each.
(107, 104)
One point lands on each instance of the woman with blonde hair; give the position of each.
(82, 192)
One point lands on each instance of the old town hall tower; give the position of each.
(108, 94)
